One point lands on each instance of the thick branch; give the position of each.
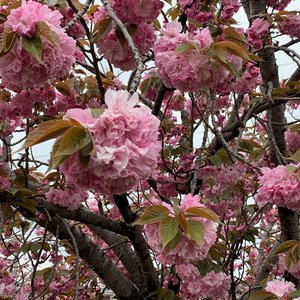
(139, 243)
(97, 260)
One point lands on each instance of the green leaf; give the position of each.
(202, 212)
(73, 140)
(171, 245)
(168, 229)
(182, 48)
(296, 156)
(97, 112)
(45, 31)
(33, 46)
(47, 131)
(152, 214)
(56, 160)
(196, 231)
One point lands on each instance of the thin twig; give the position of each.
(79, 15)
(76, 254)
(135, 52)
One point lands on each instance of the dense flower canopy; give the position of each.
(149, 149)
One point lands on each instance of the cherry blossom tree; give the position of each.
(174, 170)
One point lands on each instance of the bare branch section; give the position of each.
(97, 260)
(79, 15)
(135, 52)
(139, 243)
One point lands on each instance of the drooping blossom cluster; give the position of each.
(68, 197)
(19, 69)
(197, 10)
(126, 146)
(190, 69)
(290, 26)
(278, 186)
(292, 140)
(280, 288)
(250, 79)
(278, 4)
(116, 49)
(217, 189)
(258, 32)
(77, 30)
(230, 7)
(193, 286)
(137, 11)
(186, 250)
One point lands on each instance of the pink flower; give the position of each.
(189, 70)
(258, 32)
(137, 11)
(118, 51)
(126, 146)
(20, 69)
(194, 286)
(290, 26)
(279, 187)
(292, 140)
(186, 250)
(69, 197)
(280, 288)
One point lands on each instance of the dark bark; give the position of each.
(122, 248)
(139, 243)
(96, 259)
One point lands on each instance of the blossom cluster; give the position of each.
(19, 68)
(69, 197)
(290, 26)
(201, 12)
(193, 286)
(126, 146)
(190, 69)
(186, 250)
(278, 4)
(258, 32)
(230, 7)
(135, 15)
(279, 187)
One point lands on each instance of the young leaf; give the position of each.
(33, 46)
(8, 39)
(56, 160)
(234, 49)
(168, 229)
(285, 246)
(171, 245)
(196, 231)
(183, 222)
(102, 28)
(152, 214)
(182, 48)
(262, 295)
(73, 140)
(47, 131)
(202, 212)
(45, 31)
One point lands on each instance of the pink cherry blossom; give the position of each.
(280, 288)
(20, 69)
(278, 186)
(126, 146)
